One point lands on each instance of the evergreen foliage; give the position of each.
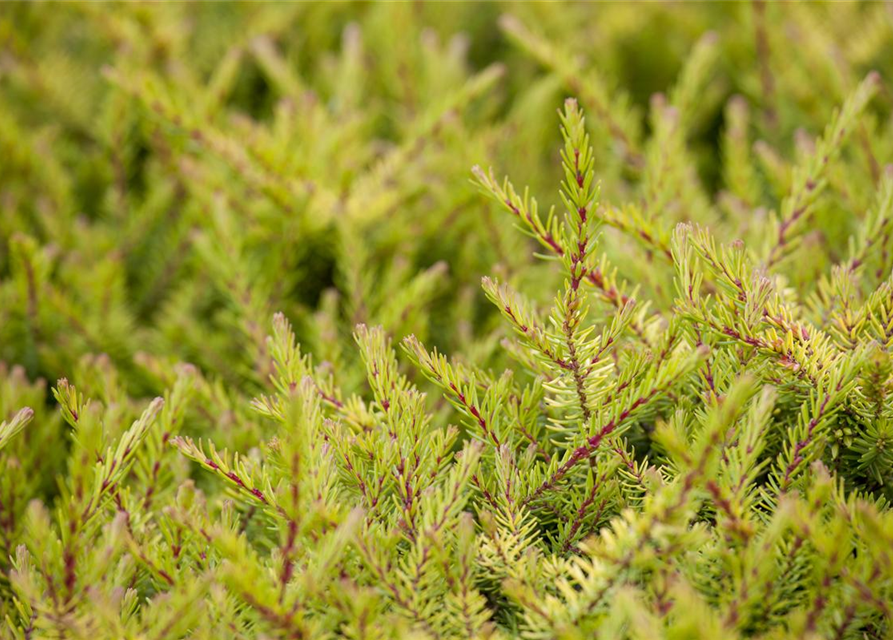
(322, 371)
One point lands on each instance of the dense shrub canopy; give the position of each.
(284, 355)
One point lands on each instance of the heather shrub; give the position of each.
(286, 355)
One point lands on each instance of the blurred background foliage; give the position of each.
(172, 175)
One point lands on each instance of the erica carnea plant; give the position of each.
(312, 381)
